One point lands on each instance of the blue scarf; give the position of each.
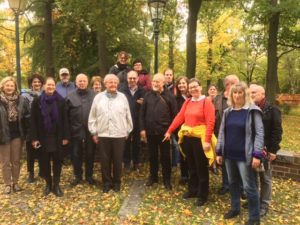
(49, 110)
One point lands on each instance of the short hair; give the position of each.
(230, 77)
(240, 86)
(35, 76)
(82, 74)
(170, 70)
(123, 53)
(160, 76)
(133, 71)
(96, 78)
(177, 82)
(194, 80)
(49, 78)
(5, 80)
(111, 75)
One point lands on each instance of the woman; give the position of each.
(198, 118)
(182, 94)
(240, 142)
(49, 132)
(35, 83)
(14, 114)
(96, 84)
(212, 91)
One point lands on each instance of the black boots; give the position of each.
(55, 189)
(48, 186)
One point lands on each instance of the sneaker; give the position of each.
(231, 214)
(7, 190)
(253, 222)
(16, 188)
(223, 191)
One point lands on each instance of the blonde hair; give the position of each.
(240, 86)
(5, 80)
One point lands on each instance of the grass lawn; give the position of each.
(88, 205)
(291, 133)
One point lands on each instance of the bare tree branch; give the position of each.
(286, 52)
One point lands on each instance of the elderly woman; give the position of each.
(14, 114)
(198, 118)
(35, 83)
(240, 142)
(96, 84)
(110, 124)
(49, 132)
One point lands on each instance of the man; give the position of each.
(273, 135)
(79, 103)
(143, 75)
(169, 80)
(135, 95)
(110, 124)
(220, 103)
(121, 68)
(65, 86)
(158, 110)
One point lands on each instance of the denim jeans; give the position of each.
(265, 179)
(247, 174)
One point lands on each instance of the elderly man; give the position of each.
(220, 103)
(135, 95)
(273, 135)
(158, 110)
(79, 103)
(110, 124)
(65, 86)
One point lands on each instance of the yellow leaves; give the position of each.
(187, 212)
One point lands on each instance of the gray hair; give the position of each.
(109, 76)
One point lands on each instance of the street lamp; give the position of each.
(156, 11)
(18, 6)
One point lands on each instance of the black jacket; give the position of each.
(23, 120)
(134, 106)
(78, 105)
(272, 127)
(37, 130)
(220, 103)
(157, 112)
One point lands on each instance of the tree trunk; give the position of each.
(49, 63)
(271, 76)
(103, 53)
(194, 8)
(171, 48)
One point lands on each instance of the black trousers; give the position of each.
(111, 156)
(82, 148)
(184, 169)
(132, 148)
(156, 146)
(198, 167)
(46, 158)
(32, 154)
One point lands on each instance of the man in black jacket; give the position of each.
(135, 95)
(79, 103)
(273, 135)
(158, 110)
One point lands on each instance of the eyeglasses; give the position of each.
(193, 87)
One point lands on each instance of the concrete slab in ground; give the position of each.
(131, 203)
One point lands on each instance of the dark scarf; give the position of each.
(10, 103)
(122, 66)
(48, 105)
(262, 104)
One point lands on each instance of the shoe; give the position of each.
(106, 188)
(231, 214)
(30, 178)
(223, 191)
(245, 205)
(16, 188)
(183, 181)
(7, 190)
(91, 181)
(57, 191)
(47, 190)
(200, 202)
(117, 187)
(168, 185)
(253, 222)
(188, 195)
(243, 195)
(75, 182)
(263, 211)
(151, 181)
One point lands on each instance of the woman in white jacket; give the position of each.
(110, 123)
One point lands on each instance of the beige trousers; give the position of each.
(10, 156)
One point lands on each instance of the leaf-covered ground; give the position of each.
(88, 205)
(291, 133)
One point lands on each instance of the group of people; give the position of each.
(176, 120)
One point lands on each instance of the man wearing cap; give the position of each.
(65, 86)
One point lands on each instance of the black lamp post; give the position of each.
(156, 10)
(18, 6)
